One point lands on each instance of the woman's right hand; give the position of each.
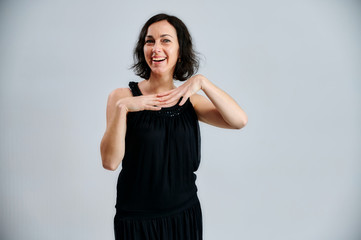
(140, 103)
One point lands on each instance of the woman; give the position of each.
(152, 128)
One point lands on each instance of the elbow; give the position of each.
(240, 121)
(110, 167)
(109, 161)
(241, 124)
(110, 164)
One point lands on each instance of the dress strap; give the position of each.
(135, 89)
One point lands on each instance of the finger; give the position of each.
(169, 104)
(172, 100)
(153, 97)
(155, 102)
(167, 97)
(183, 93)
(173, 96)
(172, 92)
(152, 107)
(165, 93)
(161, 104)
(184, 99)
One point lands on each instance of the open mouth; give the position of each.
(158, 59)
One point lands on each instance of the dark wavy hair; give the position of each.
(189, 62)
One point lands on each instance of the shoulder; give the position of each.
(118, 93)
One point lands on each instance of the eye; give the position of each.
(166, 40)
(149, 41)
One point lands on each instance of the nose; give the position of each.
(156, 47)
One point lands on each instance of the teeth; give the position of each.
(158, 59)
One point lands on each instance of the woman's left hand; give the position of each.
(187, 89)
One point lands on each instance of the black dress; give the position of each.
(156, 191)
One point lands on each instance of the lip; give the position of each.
(158, 59)
(158, 56)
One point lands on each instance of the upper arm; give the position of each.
(113, 98)
(207, 112)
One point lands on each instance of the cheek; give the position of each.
(174, 53)
(146, 51)
(175, 56)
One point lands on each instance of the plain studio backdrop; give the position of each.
(293, 173)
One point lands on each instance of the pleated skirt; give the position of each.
(184, 224)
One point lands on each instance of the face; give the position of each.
(161, 48)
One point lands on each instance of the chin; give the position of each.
(159, 72)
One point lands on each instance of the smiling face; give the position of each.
(161, 48)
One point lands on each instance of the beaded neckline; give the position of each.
(171, 111)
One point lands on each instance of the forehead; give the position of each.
(160, 28)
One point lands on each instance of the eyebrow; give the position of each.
(163, 35)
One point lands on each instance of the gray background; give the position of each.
(293, 173)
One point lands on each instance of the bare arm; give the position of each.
(223, 110)
(112, 146)
(120, 102)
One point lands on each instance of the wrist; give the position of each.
(203, 82)
(123, 108)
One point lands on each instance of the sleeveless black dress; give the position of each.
(156, 191)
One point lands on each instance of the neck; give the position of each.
(160, 83)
